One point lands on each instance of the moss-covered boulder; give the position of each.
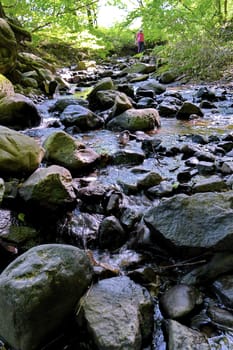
(8, 47)
(19, 154)
(136, 120)
(6, 87)
(48, 189)
(65, 150)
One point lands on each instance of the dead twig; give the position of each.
(183, 264)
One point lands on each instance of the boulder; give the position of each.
(105, 99)
(153, 85)
(39, 291)
(180, 300)
(136, 120)
(20, 154)
(188, 109)
(6, 87)
(63, 149)
(191, 224)
(111, 233)
(48, 188)
(103, 84)
(140, 67)
(182, 337)
(118, 314)
(18, 112)
(82, 117)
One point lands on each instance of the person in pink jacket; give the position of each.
(140, 41)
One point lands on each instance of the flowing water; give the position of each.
(217, 121)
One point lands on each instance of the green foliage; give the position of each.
(198, 58)
(192, 36)
(21, 217)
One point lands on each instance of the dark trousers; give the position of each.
(140, 46)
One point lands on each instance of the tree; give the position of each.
(37, 14)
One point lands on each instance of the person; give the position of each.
(140, 41)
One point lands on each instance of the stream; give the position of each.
(127, 260)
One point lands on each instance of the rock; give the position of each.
(6, 87)
(206, 93)
(39, 290)
(221, 318)
(167, 109)
(103, 84)
(121, 104)
(179, 301)
(22, 154)
(29, 61)
(210, 184)
(146, 102)
(219, 264)
(176, 222)
(128, 156)
(167, 77)
(154, 85)
(49, 188)
(18, 112)
(16, 232)
(82, 117)
(65, 150)
(140, 67)
(136, 120)
(149, 180)
(114, 99)
(182, 337)
(164, 189)
(84, 237)
(118, 314)
(223, 288)
(206, 168)
(111, 233)
(60, 104)
(188, 109)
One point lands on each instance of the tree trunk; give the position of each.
(218, 10)
(2, 12)
(225, 10)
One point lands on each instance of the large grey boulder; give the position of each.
(39, 290)
(105, 99)
(180, 300)
(153, 85)
(118, 314)
(82, 117)
(188, 109)
(49, 188)
(19, 154)
(192, 224)
(18, 112)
